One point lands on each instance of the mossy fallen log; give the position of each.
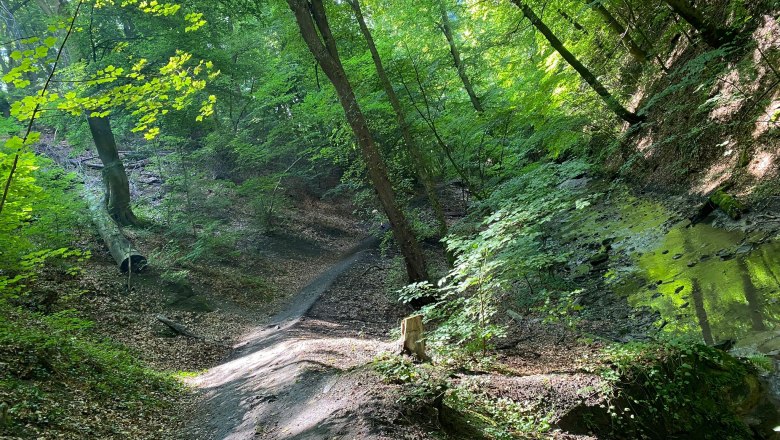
(728, 204)
(123, 252)
(720, 199)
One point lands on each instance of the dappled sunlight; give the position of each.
(767, 36)
(637, 98)
(762, 164)
(716, 175)
(768, 120)
(645, 145)
(295, 364)
(730, 96)
(679, 49)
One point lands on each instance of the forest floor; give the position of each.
(291, 332)
(309, 372)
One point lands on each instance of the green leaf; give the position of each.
(14, 143)
(41, 51)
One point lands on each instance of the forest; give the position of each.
(396, 219)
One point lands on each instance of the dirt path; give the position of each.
(286, 380)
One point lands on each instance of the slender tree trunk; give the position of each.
(307, 13)
(587, 75)
(712, 35)
(446, 29)
(419, 162)
(620, 31)
(117, 198)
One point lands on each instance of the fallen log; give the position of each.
(719, 199)
(178, 328)
(412, 342)
(123, 252)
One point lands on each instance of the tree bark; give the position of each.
(412, 342)
(446, 29)
(620, 31)
(419, 162)
(307, 13)
(120, 248)
(117, 198)
(587, 75)
(711, 35)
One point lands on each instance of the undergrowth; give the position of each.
(57, 379)
(666, 389)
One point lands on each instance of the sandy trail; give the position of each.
(286, 380)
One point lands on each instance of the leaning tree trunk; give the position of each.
(419, 162)
(326, 54)
(620, 31)
(446, 29)
(587, 75)
(123, 252)
(711, 35)
(117, 198)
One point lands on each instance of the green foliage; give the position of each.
(423, 384)
(497, 418)
(426, 385)
(53, 369)
(42, 219)
(492, 254)
(676, 387)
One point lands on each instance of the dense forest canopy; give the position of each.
(511, 154)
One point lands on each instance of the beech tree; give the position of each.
(446, 29)
(585, 73)
(420, 163)
(315, 30)
(619, 30)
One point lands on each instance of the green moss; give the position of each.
(728, 204)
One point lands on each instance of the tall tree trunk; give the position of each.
(117, 198)
(587, 75)
(419, 162)
(620, 31)
(307, 13)
(712, 35)
(446, 29)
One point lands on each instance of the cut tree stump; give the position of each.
(412, 337)
(123, 252)
(178, 328)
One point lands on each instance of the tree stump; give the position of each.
(412, 337)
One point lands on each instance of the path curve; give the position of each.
(284, 380)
